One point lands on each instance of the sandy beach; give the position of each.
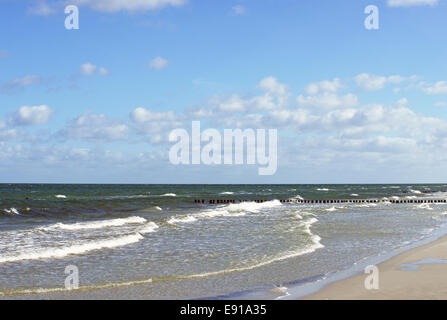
(419, 273)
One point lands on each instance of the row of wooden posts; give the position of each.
(225, 201)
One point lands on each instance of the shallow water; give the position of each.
(127, 235)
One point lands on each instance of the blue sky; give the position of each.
(96, 105)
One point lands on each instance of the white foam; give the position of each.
(186, 219)
(219, 213)
(158, 208)
(307, 224)
(148, 228)
(75, 249)
(253, 206)
(207, 214)
(231, 210)
(97, 224)
(331, 209)
(308, 214)
(226, 192)
(354, 195)
(61, 196)
(12, 211)
(168, 195)
(425, 206)
(366, 205)
(415, 191)
(322, 189)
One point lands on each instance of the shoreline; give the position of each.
(424, 261)
(394, 283)
(416, 273)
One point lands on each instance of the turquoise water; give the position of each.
(153, 241)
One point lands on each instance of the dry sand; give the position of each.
(429, 281)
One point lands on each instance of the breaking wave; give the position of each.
(231, 210)
(75, 249)
(148, 228)
(97, 224)
(12, 211)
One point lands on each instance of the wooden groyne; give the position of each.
(318, 201)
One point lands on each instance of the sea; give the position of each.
(164, 242)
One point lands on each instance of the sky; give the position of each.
(97, 104)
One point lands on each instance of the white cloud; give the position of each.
(326, 129)
(31, 115)
(377, 148)
(26, 81)
(402, 102)
(142, 115)
(158, 63)
(103, 71)
(275, 96)
(441, 104)
(128, 5)
(42, 8)
(248, 120)
(292, 118)
(88, 69)
(410, 3)
(324, 86)
(156, 124)
(233, 103)
(238, 10)
(273, 88)
(20, 83)
(328, 100)
(439, 87)
(349, 123)
(199, 113)
(14, 135)
(371, 82)
(95, 127)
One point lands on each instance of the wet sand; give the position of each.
(424, 276)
